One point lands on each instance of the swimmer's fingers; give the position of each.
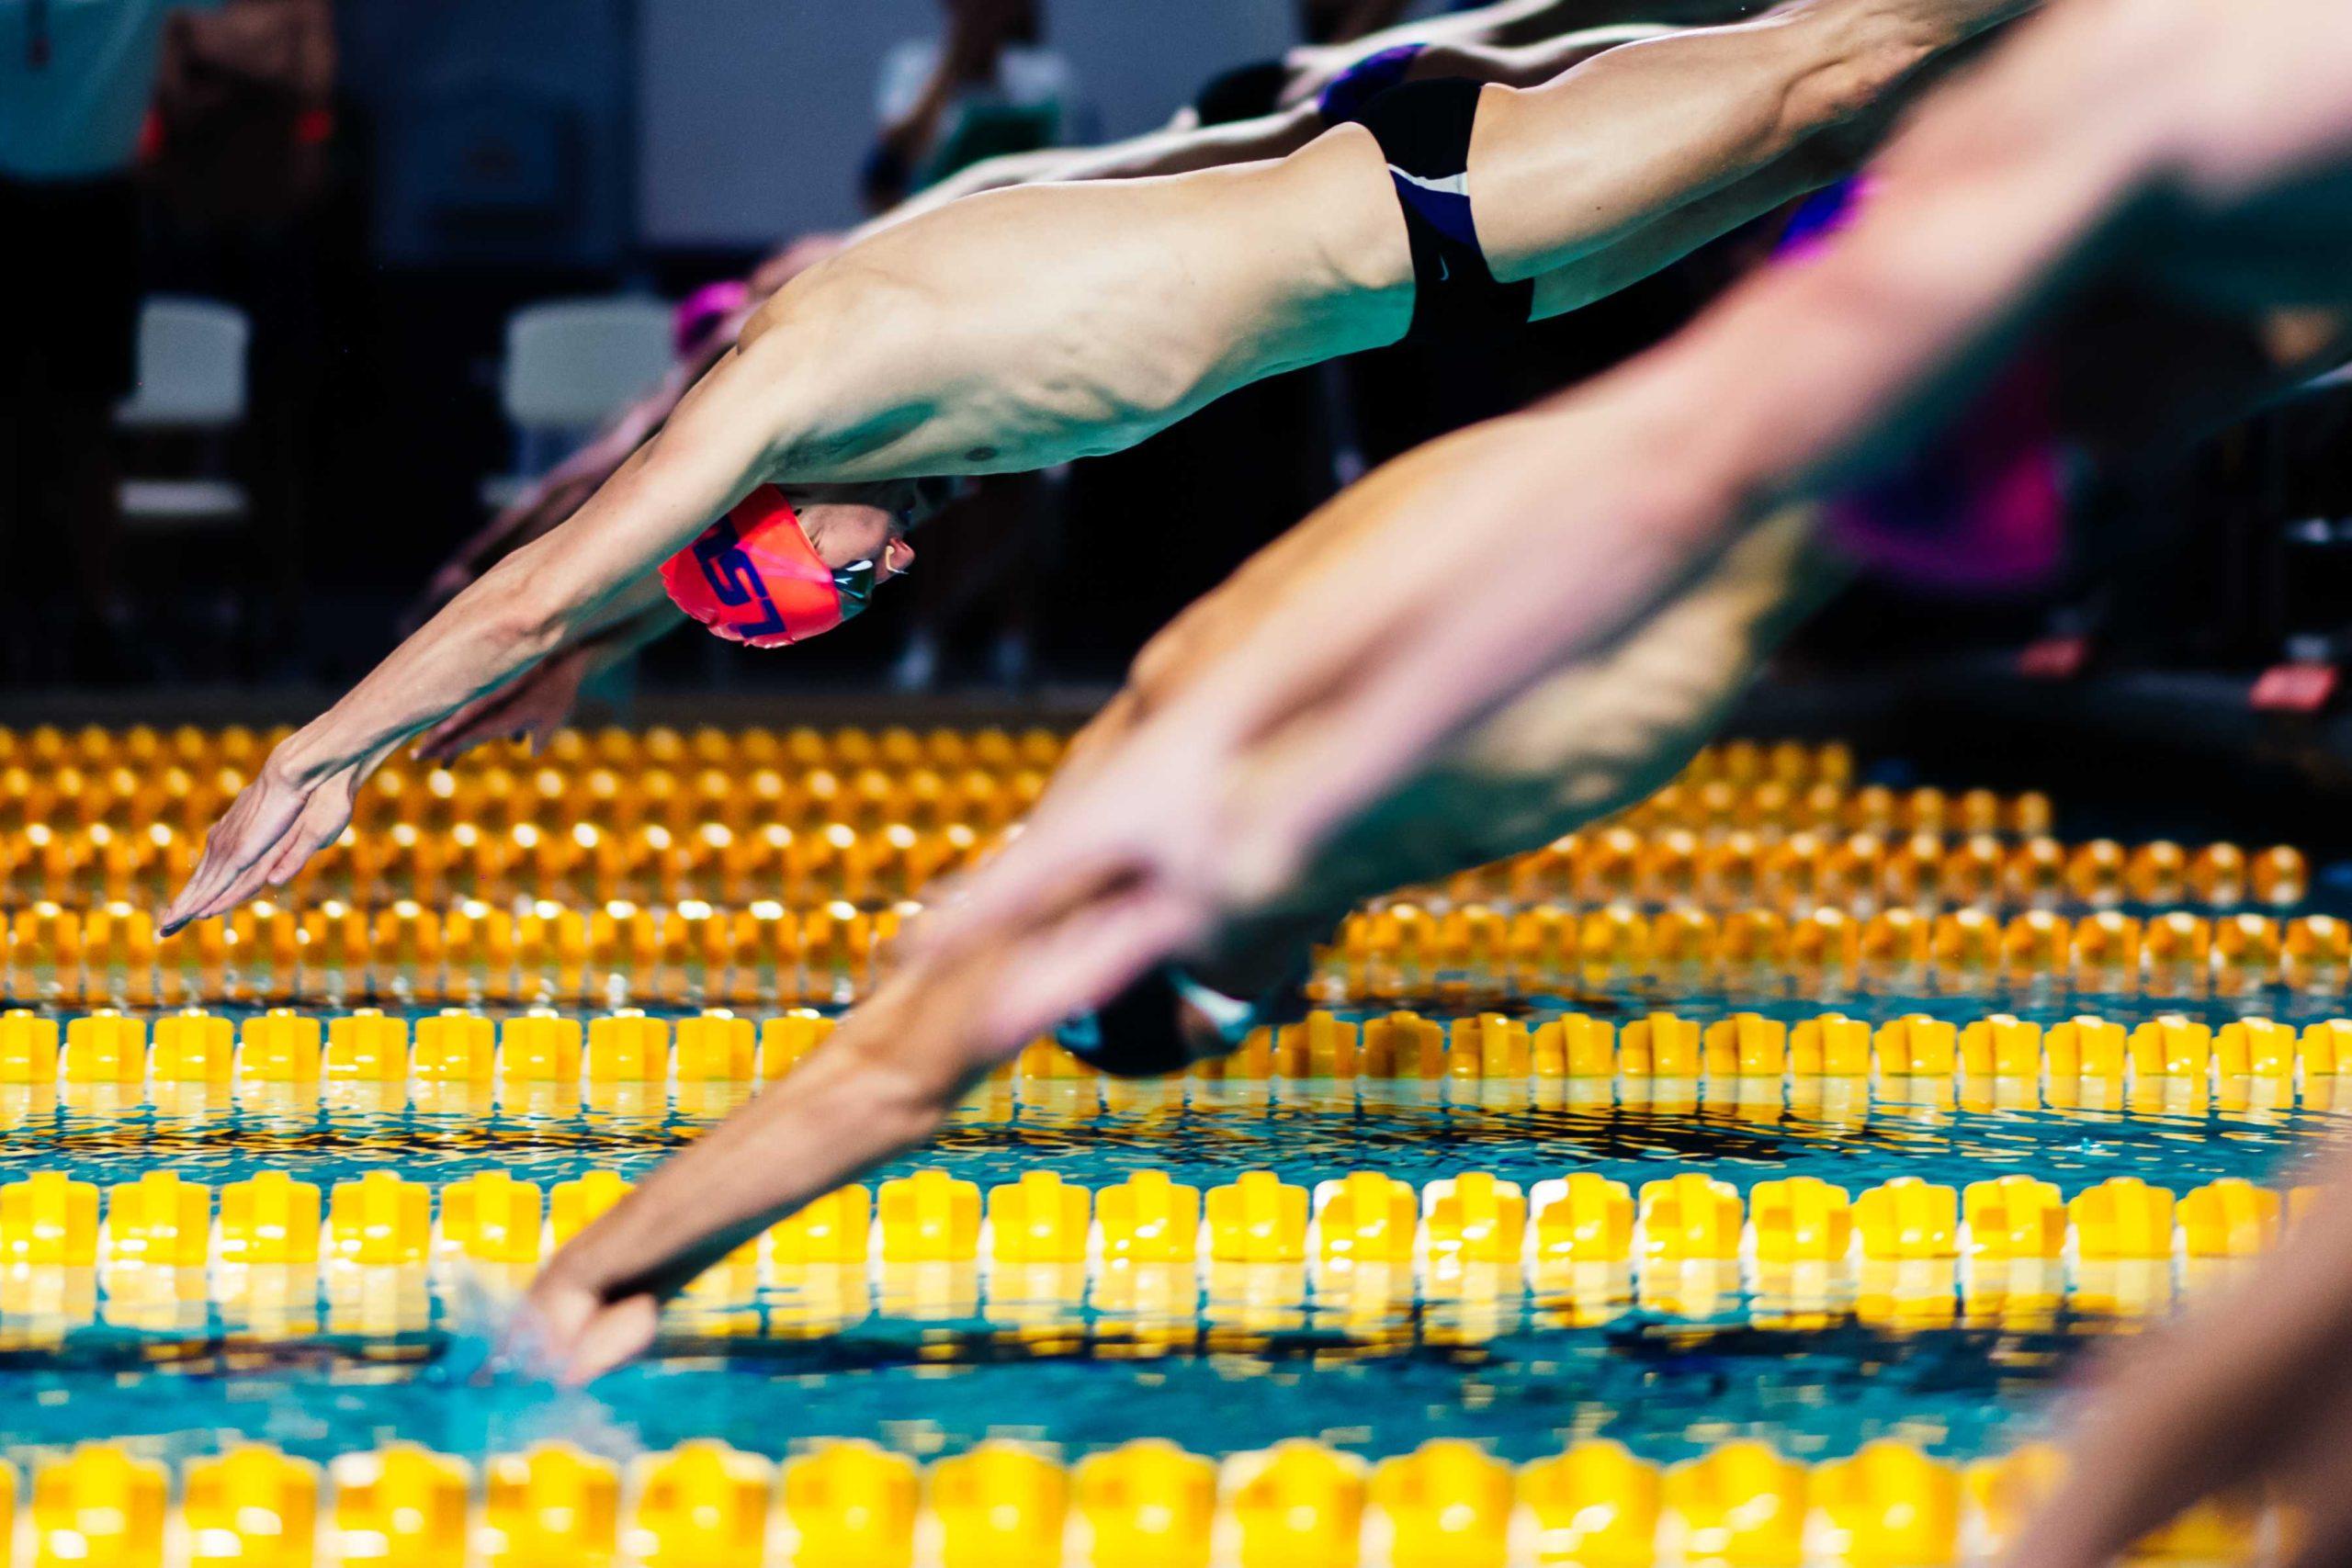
(321, 822)
(543, 1320)
(324, 815)
(255, 824)
(484, 718)
(617, 1333)
(544, 1329)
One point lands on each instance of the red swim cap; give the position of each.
(754, 578)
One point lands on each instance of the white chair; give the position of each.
(191, 382)
(571, 366)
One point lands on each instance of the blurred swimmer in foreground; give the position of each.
(2149, 147)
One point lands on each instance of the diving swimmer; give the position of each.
(1030, 326)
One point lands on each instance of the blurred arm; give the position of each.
(1589, 740)
(2255, 1382)
(882, 1084)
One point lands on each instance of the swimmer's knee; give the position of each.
(1861, 57)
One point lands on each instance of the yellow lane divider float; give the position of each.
(848, 1504)
(764, 952)
(142, 779)
(806, 838)
(545, 1047)
(110, 816)
(1687, 1244)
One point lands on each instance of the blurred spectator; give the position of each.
(76, 78)
(244, 110)
(989, 85)
(244, 120)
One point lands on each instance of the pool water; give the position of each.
(934, 1359)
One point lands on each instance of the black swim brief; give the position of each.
(1423, 128)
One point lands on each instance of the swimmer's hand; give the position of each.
(530, 710)
(289, 812)
(568, 1330)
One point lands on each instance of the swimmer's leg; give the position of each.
(1563, 171)
(1655, 245)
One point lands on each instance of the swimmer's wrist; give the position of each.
(329, 745)
(574, 1270)
(307, 756)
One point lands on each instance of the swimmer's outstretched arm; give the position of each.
(1001, 335)
(882, 1084)
(1592, 739)
(549, 595)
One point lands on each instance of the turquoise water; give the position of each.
(1849, 1134)
(943, 1361)
(1664, 1389)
